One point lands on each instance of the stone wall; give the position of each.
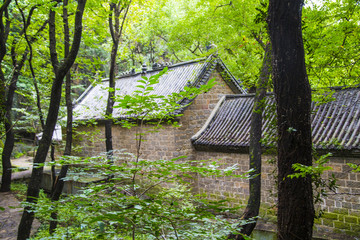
(341, 209)
(237, 188)
(164, 143)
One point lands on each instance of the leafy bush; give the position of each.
(144, 199)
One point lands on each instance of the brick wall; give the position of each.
(236, 188)
(342, 210)
(165, 143)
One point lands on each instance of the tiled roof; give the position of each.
(335, 124)
(92, 103)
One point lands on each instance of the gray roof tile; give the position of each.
(335, 124)
(92, 103)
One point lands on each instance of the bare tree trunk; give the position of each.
(59, 182)
(293, 97)
(60, 70)
(4, 32)
(10, 140)
(116, 32)
(253, 206)
(6, 164)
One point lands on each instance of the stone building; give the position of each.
(215, 125)
(335, 130)
(167, 142)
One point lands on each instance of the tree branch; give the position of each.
(229, 4)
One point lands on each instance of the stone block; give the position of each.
(342, 225)
(355, 228)
(353, 184)
(356, 206)
(329, 215)
(341, 211)
(340, 175)
(327, 222)
(336, 160)
(351, 219)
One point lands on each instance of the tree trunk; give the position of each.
(116, 32)
(10, 140)
(110, 102)
(115, 10)
(4, 32)
(59, 182)
(44, 144)
(55, 196)
(293, 97)
(6, 154)
(253, 205)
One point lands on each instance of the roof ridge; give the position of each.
(159, 69)
(338, 88)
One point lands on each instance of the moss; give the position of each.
(226, 194)
(328, 222)
(317, 221)
(355, 228)
(328, 215)
(355, 214)
(342, 211)
(342, 225)
(213, 196)
(351, 219)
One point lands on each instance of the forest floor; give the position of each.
(10, 216)
(10, 206)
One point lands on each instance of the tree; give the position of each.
(116, 30)
(17, 65)
(331, 34)
(183, 30)
(60, 70)
(58, 184)
(4, 33)
(293, 98)
(255, 149)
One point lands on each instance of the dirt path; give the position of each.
(10, 207)
(10, 217)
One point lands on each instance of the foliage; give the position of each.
(355, 167)
(164, 31)
(322, 96)
(321, 185)
(146, 207)
(175, 31)
(22, 149)
(331, 34)
(182, 30)
(139, 198)
(19, 188)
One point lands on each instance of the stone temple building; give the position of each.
(215, 125)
